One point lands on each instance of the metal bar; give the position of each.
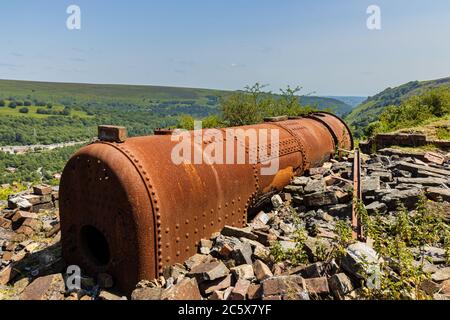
(357, 196)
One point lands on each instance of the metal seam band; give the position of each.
(153, 198)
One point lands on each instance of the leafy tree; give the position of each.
(12, 105)
(24, 110)
(27, 103)
(253, 105)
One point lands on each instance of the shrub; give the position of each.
(12, 105)
(24, 110)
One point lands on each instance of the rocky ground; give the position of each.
(298, 248)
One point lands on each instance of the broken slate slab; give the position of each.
(438, 194)
(318, 199)
(361, 260)
(239, 232)
(209, 271)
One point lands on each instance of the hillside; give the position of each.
(163, 101)
(352, 101)
(370, 109)
(46, 113)
(338, 107)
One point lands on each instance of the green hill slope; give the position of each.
(370, 109)
(61, 112)
(161, 100)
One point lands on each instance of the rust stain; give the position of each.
(280, 180)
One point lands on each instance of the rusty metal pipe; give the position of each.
(126, 209)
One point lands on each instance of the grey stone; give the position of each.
(261, 270)
(284, 287)
(300, 181)
(312, 246)
(339, 210)
(294, 189)
(361, 260)
(370, 184)
(433, 182)
(239, 232)
(209, 271)
(441, 275)
(244, 271)
(261, 218)
(242, 254)
(408, 198)
(385, 176)
(340, 285)
(318, 199)
(375, 207)
(277, 201)
(438, 194)
(315, 186)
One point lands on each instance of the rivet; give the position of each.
(177, 226)
(187, 249)
(167, 230)
(187, 235)
(187, 221)
(196, 231)
(177, 239)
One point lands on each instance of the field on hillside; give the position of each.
(140, 108)
(371, 109)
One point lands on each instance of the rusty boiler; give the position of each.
(128, 210)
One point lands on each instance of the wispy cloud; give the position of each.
(76, 59)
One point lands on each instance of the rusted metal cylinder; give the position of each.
(128, 210)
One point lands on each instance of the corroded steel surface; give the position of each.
(128, 210)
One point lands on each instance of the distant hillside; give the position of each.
(46, 113)
(338, 107)
(163, 101)
(352, 101)
(370, 109)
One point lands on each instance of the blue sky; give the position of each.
(323, 45)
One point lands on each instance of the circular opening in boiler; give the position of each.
(94, 245)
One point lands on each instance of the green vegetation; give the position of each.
(414, 111)
(370, 110)
(395, 239)
(295, 256)
(11, 189)
(62, 112)
(34, 167)
(251, 106)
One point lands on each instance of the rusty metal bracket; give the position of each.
(357, 232)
